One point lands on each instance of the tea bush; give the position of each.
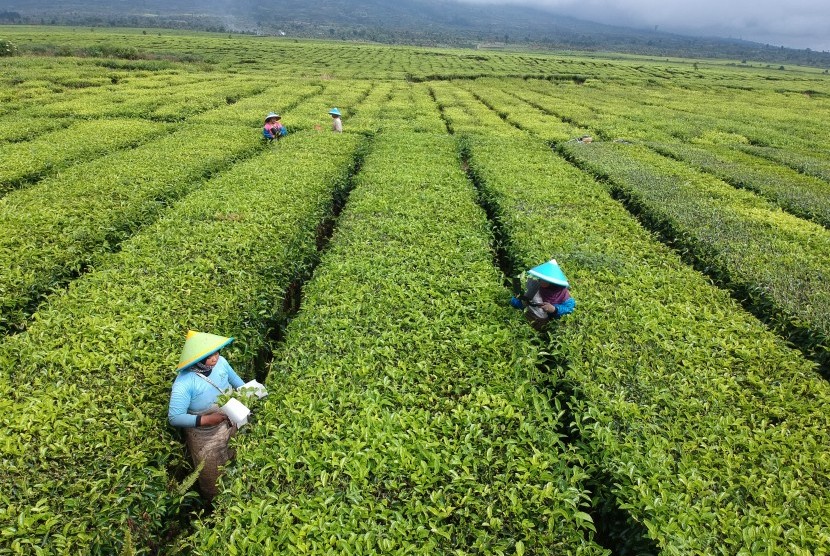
(7, 48)
(700, 423)
(402, 414)
(771, 260)
(88, 382)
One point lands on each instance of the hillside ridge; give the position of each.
(415, 22)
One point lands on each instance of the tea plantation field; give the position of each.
(684, 408)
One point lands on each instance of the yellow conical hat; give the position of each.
(199, 345)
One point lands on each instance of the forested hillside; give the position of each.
(419, 22)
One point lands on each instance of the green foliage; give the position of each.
(402, 412)
(768, 258)
(187, 483)
(63, 224)
(459, 110)
(173, 103)
(103, 202)
(514, 109)
(7, 48)
(128, 549)
(678, 109)
(799, 194)
(92, 374)
(36, 159)
(407, 411)
(701, 424)
(804, 160)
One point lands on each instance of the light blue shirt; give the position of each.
(193, 394)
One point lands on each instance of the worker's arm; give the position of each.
(566, 307)
(177, 413)
(549, 309)
(234, 379)
(178, 416)
(211, 419)
(560, 309)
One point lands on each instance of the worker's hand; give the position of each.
(212, 419)
(548, 308)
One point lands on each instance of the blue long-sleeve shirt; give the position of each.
(565, 308)
(193, 394)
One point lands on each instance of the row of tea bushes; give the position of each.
(41, 81)
(32, 83)
(565, 103)
(54, 229)
(806, 160)
(87, 453)
(771, 260)
(251, 111)
(463, 113)
(182, 105)
(117, 89)
(686, 114)
(398, 107)
(342, 94)
(799, 298)
(366, 117)
(77, 142)
(799, 194)
(611, 113)
(521, 114)
(173, 104)
(16, 128)
(612, 117)
(802, 195)
(411, 108)
(50, 113)
(403, 415)
(543, 116)
(705, 427)
(775, 118)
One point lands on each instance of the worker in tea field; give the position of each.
(336, 122)
(547, 295)
(203, 376)
(273, 128)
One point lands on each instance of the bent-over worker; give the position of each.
(336, 122)
(273, 128)
(203, 376)
(547, 295)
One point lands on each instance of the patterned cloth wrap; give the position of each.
(209, 445)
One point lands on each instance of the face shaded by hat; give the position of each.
(551, 273)
(272, 116)
(198, 346)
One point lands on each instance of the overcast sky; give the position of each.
(791, 23)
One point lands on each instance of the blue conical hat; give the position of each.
(334, 112)
(550, 272)
(199, 345)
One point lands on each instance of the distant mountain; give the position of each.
(419, 22)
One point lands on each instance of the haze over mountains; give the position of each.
(421, 22)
